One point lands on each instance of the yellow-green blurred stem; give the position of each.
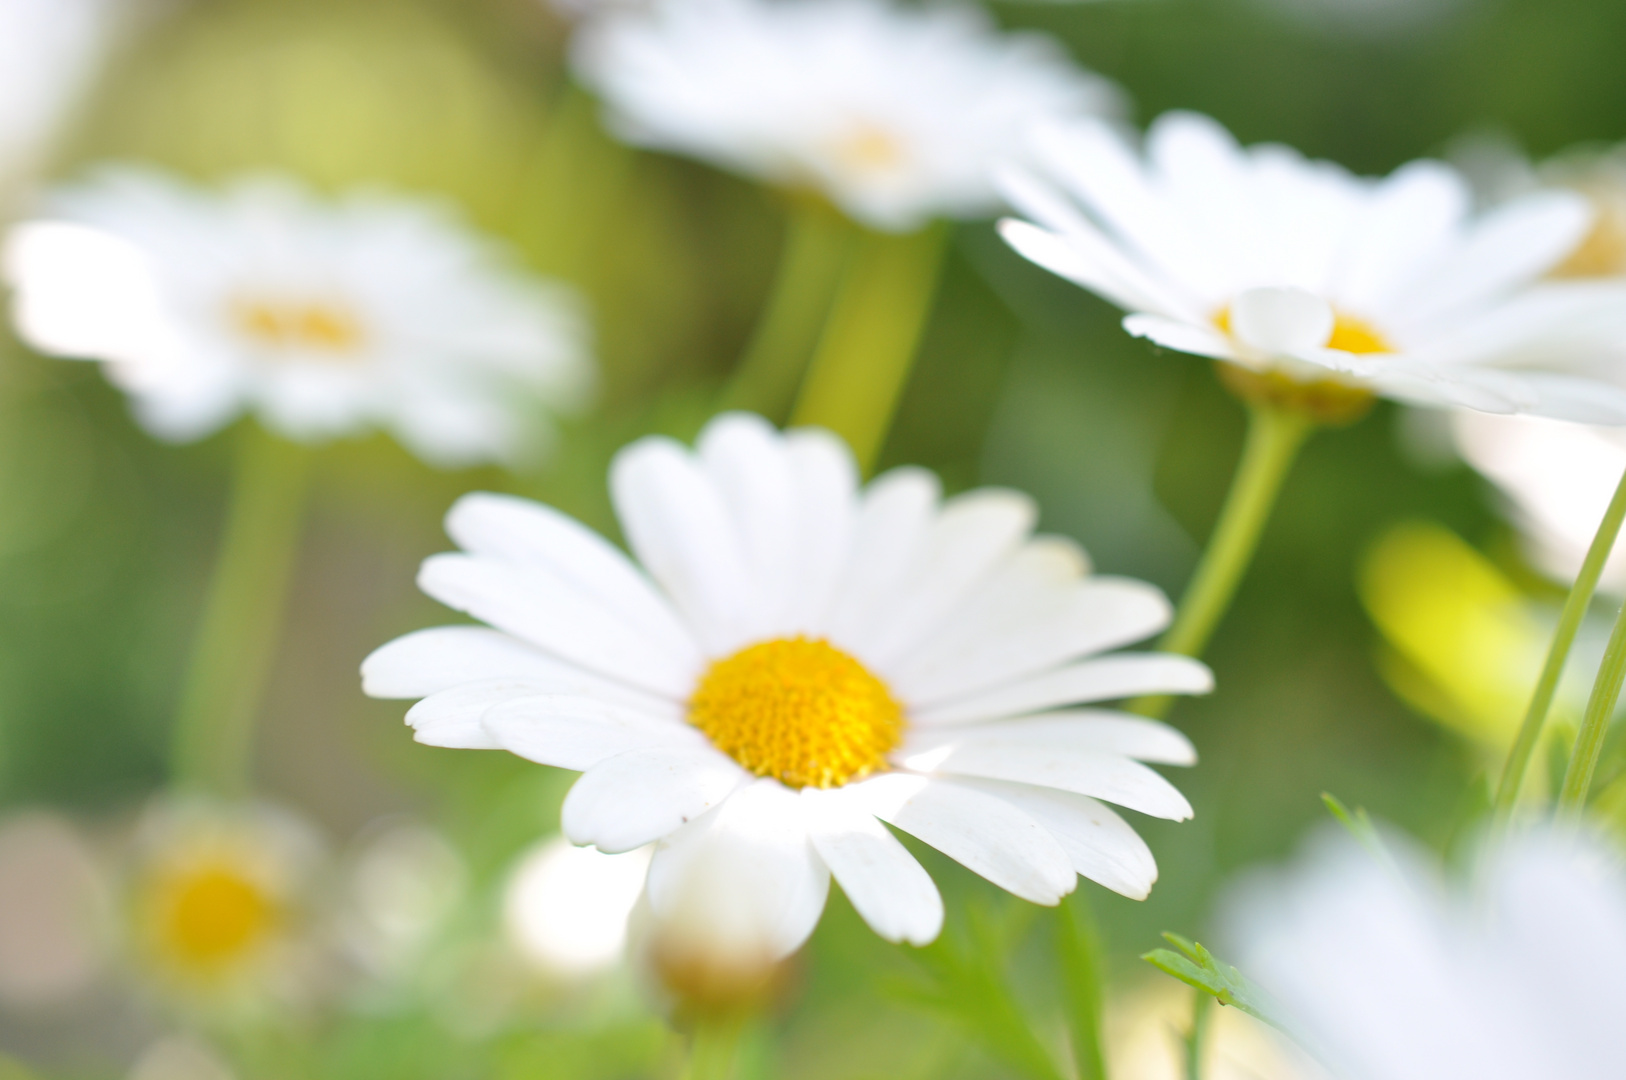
(713, 1048)
(242, 616)
(1600, 709)
(1274, 438)
(1569, 622)
(817, 242)
(869, 343)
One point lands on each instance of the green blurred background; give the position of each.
(106, 537)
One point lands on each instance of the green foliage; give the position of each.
(1195, 966)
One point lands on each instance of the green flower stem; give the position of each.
(576, 178)
(1196, 1042)
(864, 355)
(1080, 942)
(1274, 437)
(1569, 622)
(1600, 709)
(714, 1048)
(242, 616)
(817, 241)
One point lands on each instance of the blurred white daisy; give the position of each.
(895, 114)
(566, 907)
(324, 318)
(796, 659)
(1396, 976)
(1308, 280)
(222, 900)
(49, 52)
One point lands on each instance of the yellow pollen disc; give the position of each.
(868, 148)
(1349, 333)
(1602, 252)
(1326, 401)
(311, 327)
(798, 710)
(209, 917)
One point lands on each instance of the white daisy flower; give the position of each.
(895, 114)
(324, 318)
(797, 661)
(1311, 277)
(1396, 976)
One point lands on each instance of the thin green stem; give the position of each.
(869, 343)
(1569, 623)
(714, 1048)
(1196, 1044)
(1274, 438)
(242, 616)
(817, 241)
(1600, 709)
(1080, 942)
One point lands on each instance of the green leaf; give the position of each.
(1359, 824)
(1196, 966)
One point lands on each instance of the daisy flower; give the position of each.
(1317, 288)
(892, 113)
(1398, 976)
(221, 901)
(797, 660)
(323, 317)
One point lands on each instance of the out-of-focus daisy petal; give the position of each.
(1102, 679)
(579, 732)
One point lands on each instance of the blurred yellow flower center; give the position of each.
(1602, 252)
(1350, 333)
(307, 327)
(211, 916)
(868, 148)
(798, 710)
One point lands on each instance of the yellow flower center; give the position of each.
(798, 710)
(209, 917)
(869, 148)
(308, 327)
(1350, 333)
(1602, 252)
(1326, 401)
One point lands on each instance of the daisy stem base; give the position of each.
(713, 1049)
(1569, 622)
(1600, 709)
(242, 616)
(1275, 436)
(868, 345)
(816, 246)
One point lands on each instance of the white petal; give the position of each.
(827, 517)
(451, 717)
(893, 521)
(1557, 397)
(634, 798)
(1281, 322)
(892, 891)
(677, 523)
(746, 461)
(531, 534)
(985, 834)
(1510, 246)
(1085, 257)
(971, 535)
(428, 661)
(1102, 846)
(1107, 678)
(1101, 775)
(744, 874)
(1094, 163)
(575, 732)
(1411, 217)
(1095, 730)
(1098, 614)
(1193, 338)
(551, 613)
